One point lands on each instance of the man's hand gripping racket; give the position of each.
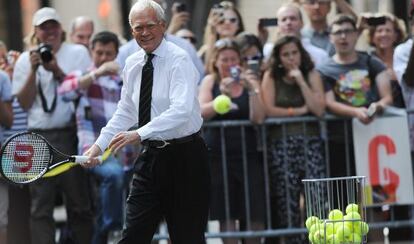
(27, 157)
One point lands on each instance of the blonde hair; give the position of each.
(210, 34)
(31, 40)
(219, 46)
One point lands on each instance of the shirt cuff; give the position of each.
(143, 132)
(103, 141)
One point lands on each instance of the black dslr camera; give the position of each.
(45, 51)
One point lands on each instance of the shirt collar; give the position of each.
(312, 31)
(161, 50)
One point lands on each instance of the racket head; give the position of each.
(25, 157)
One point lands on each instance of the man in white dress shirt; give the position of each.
(132, 47)
(171, 178)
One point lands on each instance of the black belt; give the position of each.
(164, 143)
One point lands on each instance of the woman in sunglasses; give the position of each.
(291, 88)
(251, 52)
(243, 89)
(224, 21)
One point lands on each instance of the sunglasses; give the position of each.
(231, 20)
(256, 57)
(311, 2)
(192, 39)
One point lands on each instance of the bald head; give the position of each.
(82, 29)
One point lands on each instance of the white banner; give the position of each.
(382, 154)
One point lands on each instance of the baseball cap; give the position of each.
(44, 14)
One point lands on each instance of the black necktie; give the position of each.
(145, 92)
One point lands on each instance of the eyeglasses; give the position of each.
(345, 32)
(311, 2)
(257, 57)
(231, 20)
(141, 28)
(192, 39)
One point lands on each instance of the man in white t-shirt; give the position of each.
(36, 76)
(290, 23)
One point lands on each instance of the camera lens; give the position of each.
(45, 52)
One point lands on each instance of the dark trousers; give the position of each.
(171, 183)
(19, 215)
(73, 185)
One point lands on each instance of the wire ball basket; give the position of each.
(336, 210)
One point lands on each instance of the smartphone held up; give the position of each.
(267, 22)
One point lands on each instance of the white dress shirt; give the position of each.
(175, 111)
(401, 56)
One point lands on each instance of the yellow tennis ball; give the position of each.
(310, 221)
(354, 238)
(361, 228)
(343, 232)
(222, 104)
(352, 207)
(335, 214)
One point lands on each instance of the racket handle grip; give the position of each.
(83, 159)
(80, 159)
(100, 159)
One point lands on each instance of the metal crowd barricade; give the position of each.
(248, 232)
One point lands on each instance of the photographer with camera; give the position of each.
(36, 76)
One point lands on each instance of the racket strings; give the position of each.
(25, 158)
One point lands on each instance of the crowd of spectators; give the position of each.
(70, 94)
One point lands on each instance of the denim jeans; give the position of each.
(110, 199)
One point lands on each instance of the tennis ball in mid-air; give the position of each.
(222, 104)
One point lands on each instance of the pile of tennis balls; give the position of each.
(338, 228)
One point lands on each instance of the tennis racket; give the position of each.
(26, 157)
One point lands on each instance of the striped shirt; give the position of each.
(95, 106)
(19, 120)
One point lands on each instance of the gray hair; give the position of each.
(150, 4)
(80, 20)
